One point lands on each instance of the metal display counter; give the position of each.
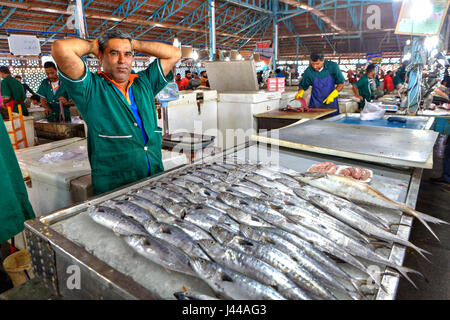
(67, 241)
(393, 146)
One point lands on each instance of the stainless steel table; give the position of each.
(66, 241)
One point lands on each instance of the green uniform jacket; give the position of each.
(116, 148)
(15, 207)
(330, 67)
(400, 76)
(364, 89)
(13, 89)
(45, 91)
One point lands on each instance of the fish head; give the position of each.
(150, 224)
(202, 267)
(246, 230)
(210, 246)
(135, 240)
(308, 176)
(221, 234)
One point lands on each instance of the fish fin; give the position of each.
(226, 277)
(165, 230)
(397, 224)
(269, 240)
(378, 244)
(417, 214)
(245, 242)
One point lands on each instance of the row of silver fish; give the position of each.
(255, 231)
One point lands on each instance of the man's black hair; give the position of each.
(277, 71)
(317, 56)
(35, 97)
(178, 74)
(18, 76)
(50, 64)
(4, 69)
(370, 68)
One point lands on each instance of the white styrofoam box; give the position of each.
(49, 189)
(29, 130)
(348, 106)
(248, 96)
(184, 113)
(235, 112)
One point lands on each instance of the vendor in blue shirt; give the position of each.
(326, 80)
(279, 74)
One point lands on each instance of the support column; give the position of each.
(80, 20)
(275, 34)
(212, 30)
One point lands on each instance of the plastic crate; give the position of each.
(276, 84)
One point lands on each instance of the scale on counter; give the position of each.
(391, 107)
(182, 140)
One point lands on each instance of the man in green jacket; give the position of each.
(118, 105)
(12, 92)
(15, 207)
(364, 87)
(400, 75)
(326, 80)
(53, 96)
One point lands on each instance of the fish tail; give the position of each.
(417, 214)
(416, 248)
(404, 272)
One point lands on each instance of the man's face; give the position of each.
(317, 65)
(52, 74)
(371, 74)
(178, 77)
(117, 59)
(188, 75)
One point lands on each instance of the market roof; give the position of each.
(338, 27)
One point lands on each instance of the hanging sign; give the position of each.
(22, 45)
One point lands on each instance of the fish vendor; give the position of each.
(16, 207)
(12, 92)
(364, 87)
(326, 80)
(54, 97)
(124, 141)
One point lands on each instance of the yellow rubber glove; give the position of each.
(333, 95)
(299, 94)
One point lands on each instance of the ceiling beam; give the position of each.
(315, 12)
(135, 21)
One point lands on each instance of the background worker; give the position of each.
(400, 75)
(388, 82)
(364, 87)
(327, 81)
(204, 79)
(12, 92)
(118, 105)
(178, 81)
(184, 84)
(14, 203)
(25, 86)
(54, 98)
